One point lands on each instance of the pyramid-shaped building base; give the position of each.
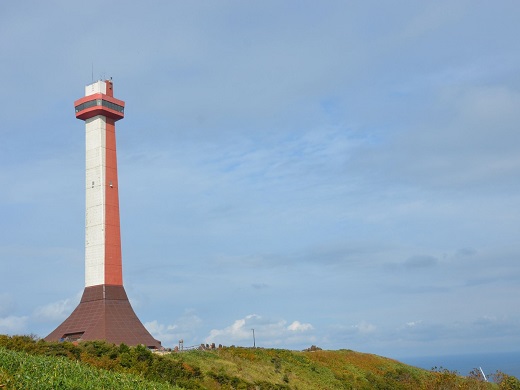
(104, 313)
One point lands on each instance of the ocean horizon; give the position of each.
(506, 362)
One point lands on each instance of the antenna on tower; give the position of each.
(92, 72)
(484, 375)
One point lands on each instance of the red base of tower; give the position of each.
(104, 313)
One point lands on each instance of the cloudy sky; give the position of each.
(338, 173)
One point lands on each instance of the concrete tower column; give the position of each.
(102, 234)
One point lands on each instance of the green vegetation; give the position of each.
(28, 363)
(19, 370)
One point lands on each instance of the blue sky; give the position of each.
(344, 174)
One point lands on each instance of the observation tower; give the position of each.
(104, 312)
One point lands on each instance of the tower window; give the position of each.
(100, 102)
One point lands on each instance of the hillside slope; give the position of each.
(26, 362)
(328, 370)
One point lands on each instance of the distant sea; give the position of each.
(506, 362)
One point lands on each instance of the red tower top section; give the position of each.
(100, 104)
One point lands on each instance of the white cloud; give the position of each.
(57, 311)
(365, 327)
(167, 334)
(236, 331)
(13, 324)
(184, 328)
(268, 333)
(297, 326)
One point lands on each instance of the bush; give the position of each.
(506, 382)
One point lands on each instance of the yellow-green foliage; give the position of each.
(25, 362)
(19, 370)
(329, 370)
(99, 354)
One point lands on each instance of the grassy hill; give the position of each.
(19, 370)
(27, 363)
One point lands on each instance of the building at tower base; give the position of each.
(104, 312)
